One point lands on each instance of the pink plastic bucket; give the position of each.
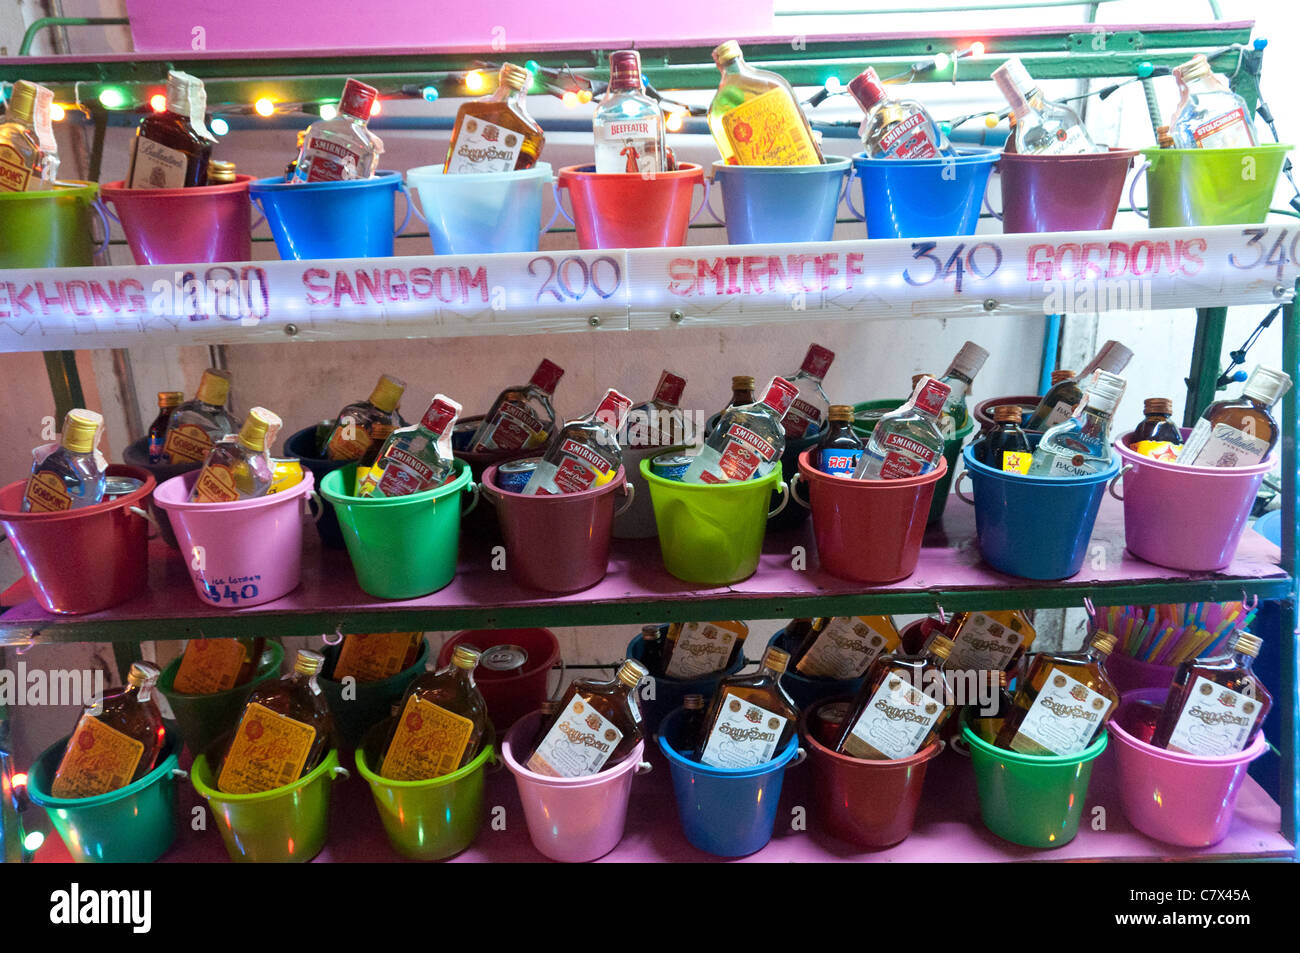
(1156, 495)
(243, 553)
(1177, 798)
(557, 543)
(185, 226)
(1070, 193)
(619, 210)
(571, 819)
(1130, 675)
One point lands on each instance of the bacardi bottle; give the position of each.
(366, 423)
(1238, 432)
(197, 425)
(1062, 701)
(1217, 704)
(751, 717)
(596, 725)
(895, 128)
(844, 647)
(342, 148)
(73, 474)
(1209, 115)
(585, 453)
(240, 469)
(172, 148)
(374, 656)
(521, 417)
(442, 725)
(29, 153)
(907, 442)
(840, 448)
(755, 118)
(1059, 403)
(1081, 445)
(658, 422)
(118, 745)
(1157, 435)
(748, 440)
(1041, 127)
(209, 666)
(808, 413)
(496, 133)
(959, 376)
(900, 707)
(629, 125)
(168, 401)
(1006, 448)
(415, 459)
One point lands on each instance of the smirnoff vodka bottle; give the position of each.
(415, 459)
(895, 128)
(585, 453)
(807, 414)
(907, 442)
(342, 148)
(748, 440)
(521, 417)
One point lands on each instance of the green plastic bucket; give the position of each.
(1031, 800)
(433, 819)
(202, 719)
(134, 824)
(373, 701)
(1189, 187)
(285, 824)
(50, 228)
(401, 546)
(951, 450)
(712, 534)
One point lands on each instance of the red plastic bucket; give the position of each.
(1069, 193)
(184, 226)
(510, 695)
(867, 530)
(557, 543)
(617, 210)
(82, 560)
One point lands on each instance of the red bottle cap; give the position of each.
(780, 395)
(867, 89)
(358, 99)
(930, 396)
(817, 361)
(613, 408)
(547, 376)
(625, 69)
(670, 388)
(440, 415)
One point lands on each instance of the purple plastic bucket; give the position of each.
(185, 226)
(1071, 193)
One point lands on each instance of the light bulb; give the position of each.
(570, 98)
(474, 81)
(833, 84)
(158, 103)
(264, 107)
(991, 120)
(57, 113)
(112, 98)
(676, 119)
(376, 107)
(584, 96)
(430, 94)
(219, 126)
(941, 61)
(329, 111)
(977, 48)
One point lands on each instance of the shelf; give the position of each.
(637, 589)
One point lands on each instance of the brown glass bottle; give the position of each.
(217, 665)
(596, 726)
(1217, 704)
(901, 706)
(694, 708)
(496, 133)
(119, 745)
(652, 649)
(800, 634)
(742, 391)
(1157, 422)
(442, 725)
(840, 447)
(987, 726)
(1007, 448)
(751, 718)
(1059, 402)
(1062, 701)
(172, 148)
(168, 401)
(374, 656)
(844, 647)
(696, 649)
(1238, 432)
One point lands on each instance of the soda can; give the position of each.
(115, 486)
(505, 659)
(463, 433)
(830, 723)
(671, 466)
(284, 474)
(514, 476)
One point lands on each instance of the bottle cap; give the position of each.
(515, 77)
(817, 362)
(1104, 391)
(388, 393)
(1157, 405)
(308, 662)
(1002, 680)
(1197, 66)
(79, 429)
(1103, 642)
(1246, 644)
(650, 633)
(841, 413)
(670, 388)
(22, 101)
(631, 672)
(743, 382)
(930, 395)
(724, 53)
(465, 656)
(259, 430)
(220, 171)
(613, 408)
(170, 398)
(1061, 376)
(1008, 413)
(441, 416)
(1014, 81)
(1113, 357)
(625, 68)
(940, 646)
(1163, 139)
(142, 675)
(867, 89)
(969, 360)
(214, 387)
(693, 702)
(1266, 385)
(776, 659)
(780, 395)
(547, 376)
(358, 99)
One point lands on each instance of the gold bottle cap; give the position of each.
(1157, 405)
(1197, 66)
(841, 413)
(1003, 679)
(1247, 644)
(693, 702)
(170, 398)
(388, 393)
(142, 675)
(465, 657)
(516, 77)
(776, 659)
(259, 430)
(743, 382)
(724, 53)
(1163, 139)
(631, 672)
(650, 633)
(1008, 413)
(940, 646)
(22, 101)
(1104, 642)
(79, 429)
(214, 387)
(1061, 376)
(308, 662)
(220, 171)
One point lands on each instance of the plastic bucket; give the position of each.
(137, 455)
(401, 546)
(1156, 494)
(804, 690)
(1032, 526)
(352, 219)
(285, 824)
(712, 533)
(1069, 193)
(510, 695)
(557, 543)
(571, 819)
(870, 804)
(50, 228)
(951, 453)
(183, 226)
(202, 719)
(1129, 674)
(302, 445)
(637, 521)
(82, 560)
(783, 517)
(1191, 187)
(435, 818)
(867, 530)
(917, 198)
(1178, 798)
(251, 550)
(983, 412)
(781, 203)
(482, 213)
(617, 210)
(134, 824)
(1031, 800)
(728, 812)
(669, 692)
(371, 702)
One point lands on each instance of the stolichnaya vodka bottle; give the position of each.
(1209, 115)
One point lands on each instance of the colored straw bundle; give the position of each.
(1171, 634)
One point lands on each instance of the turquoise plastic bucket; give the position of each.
(919, 198)
(781, 203)
(485, 212)
(352, 219)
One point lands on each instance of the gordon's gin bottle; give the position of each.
(585, 453)
(659, 422)
(172, 148)
(196, 425)
(895, 128)
(1042, 127)
(241, 468)
(755, 118)
(907, 442)
(29, 154)
(415, 459)
(748, 440)
(521, 417)
(629, 125)
(496, 133)
(807, 414)
(72, 475)
(342, 148)
(1209, 115)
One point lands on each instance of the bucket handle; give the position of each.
(997, 167)
(104, 215)
(785, 499)
(629, 492)
(956, 487)
(559, 205)
(708, 190)
(474, 491)
(494, 763)
(180, 774)
(149, 516)
(1139, 174)
(799, 758)
(556, 214)
(313, 506)
(794, 495)
(645, 767)
(848, 194)
(339, 771)
(406, 217)
(1115, 482)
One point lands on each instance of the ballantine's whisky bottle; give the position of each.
(1238, 432)
(119, 745)
(172, 148)
(442, 724)
(1062, 701)
(496, 133)
(596, 725)
(240, 469)
(755, 118)
(900, 707)
(29, 153)
(366, 423)
(197, 425)
(751, 717)
(1217, 704)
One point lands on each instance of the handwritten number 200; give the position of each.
(572, 277)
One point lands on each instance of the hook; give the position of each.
(22, 648)
(1089, 608)
(1251, 605)
(338, 636)
(943, 616)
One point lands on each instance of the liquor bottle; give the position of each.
(748, 440)
(548, 710)
(118, 745)
(1238, 432)
(1163, 137)
(840, 447)
(751, 718)
(197, 425)
(585, 453)
(844, 647)
(987, 725)
(742, 391)
(444, 719)
(221, 172)
(521, 417)
(658, 422)
(415, 459)
(293, 163)
(240, 469)
(990, 641)
(1059, 377)
(1042, 127)
(29, 153)
(692, 720)
(284, 732)
(209, 666)
(799, 631)
(628, 125)
(808, 413)
(1006, 448)
(959, 376)
(895, 128)
(1062, 701)
(1217, 704)
(900, 707)
(755, 118)
(1157, 435)
(906, 442)
(1058, 404)
(596, 725)
(374, 656)
(172, 148)
(342, 148)
(72, 475)
(496, 133)
(168, 401)
(1081, 445)
(1209, 115)
(366, 423)
(652, 649)
(694, 650)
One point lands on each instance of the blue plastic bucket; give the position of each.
(726, 812)
(352, 219)
(781, 203)
(919, 198)
(669, 692)
(1033, 527)
(485, 212)
(806, 692)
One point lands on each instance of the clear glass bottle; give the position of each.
(1059, 403)
(120, 744)
(521, 417)
(1209, 115)
(496, 133)
(342, 148)
(1081, 445)
(844, 647)
(907, 442)
(366, 423)
(751, 718)
(807, 414)
(240, 469)
(1217, 704)
(901, 706)
(168, 401)
(29, 153)
(209, 666)
(1006, 448)
(755, 118)
(628, 125)
(658, 422)
(415, 459)
(1157, 435)
(748, 440)
(895, 128)
(172, 148)
(443, 722)
(840, 447)
(1041, 127)
(585, 453)
(197, 425)
(72, 476)
(1062, 701)
(959, 376)
(596, 725)
(1238, 432)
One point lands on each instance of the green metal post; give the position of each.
(1290, 668)
(61, 366)
(1206, 354)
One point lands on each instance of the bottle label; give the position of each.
(327, 160)
(483, 146)
(840, 462)
(1059, 414)
(1067, 140)
(801, 419)
(580, 468)
(1063, 718)
(744, 736)
(187, 444)
(986, 644)
(741, 456)
(912, 138)
(1220, 445)
(405, 473)
(895, 722)
(1163, 450)
(846, 647)
(209, 666)
(216, 484)
(1215, 721)
(155, 447)
(703, 648)
(372, 657)
(769, 130)
(269, 750)
(904, 457)
(1016, 461)
(15, 174)
(47, 493)
(628, 146)
(1229, 131)
(515, 427)
(430, 741)
(156, 166)
(98, 759)
(348, 442)
(578, 744)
